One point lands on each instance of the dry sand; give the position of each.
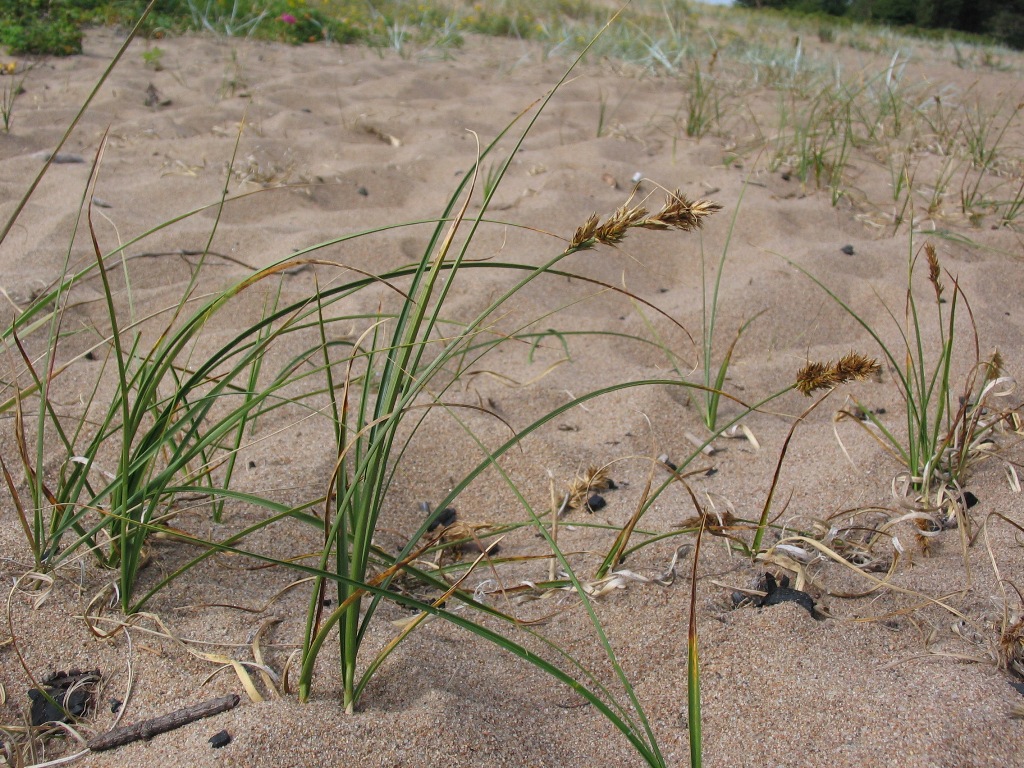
(371, 139)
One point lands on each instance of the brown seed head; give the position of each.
(614, 229)
(933, 270)
(680, 213)
(584, 237)
(851, 367)
(995, 365)
(677, 213)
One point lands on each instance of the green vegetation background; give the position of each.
(55, 26)
(1002, 20)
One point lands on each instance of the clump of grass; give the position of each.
(944, 429)
(702, 100)
(13, 87)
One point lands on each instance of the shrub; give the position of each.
(41, 26)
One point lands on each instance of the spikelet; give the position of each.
(584, 236)
(851, 367)
(614, 229)
(994, 365)
(933, 270)
(678, 212)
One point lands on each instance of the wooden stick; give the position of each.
(147, 729)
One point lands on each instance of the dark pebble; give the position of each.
(596, 502)
(847, 249)
(970, 499)
(90, 355)
(445, 517)
(448, 516)
(612, 486)
(252, 465)
(782, 593)
(115, 705)
(219, 740)
(73, 689)
(363, 191)
(711, 472)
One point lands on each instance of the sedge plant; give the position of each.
(944, 423)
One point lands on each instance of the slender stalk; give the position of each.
(693, 716)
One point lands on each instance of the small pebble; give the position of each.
(446, 517)
(847, 249)
(219, 740)
(115, 705)
(596, 502)
(363, 191)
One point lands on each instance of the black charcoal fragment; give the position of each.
(221, 739)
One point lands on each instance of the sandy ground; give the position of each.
(342, 139)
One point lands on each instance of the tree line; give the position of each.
(1002, 20)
